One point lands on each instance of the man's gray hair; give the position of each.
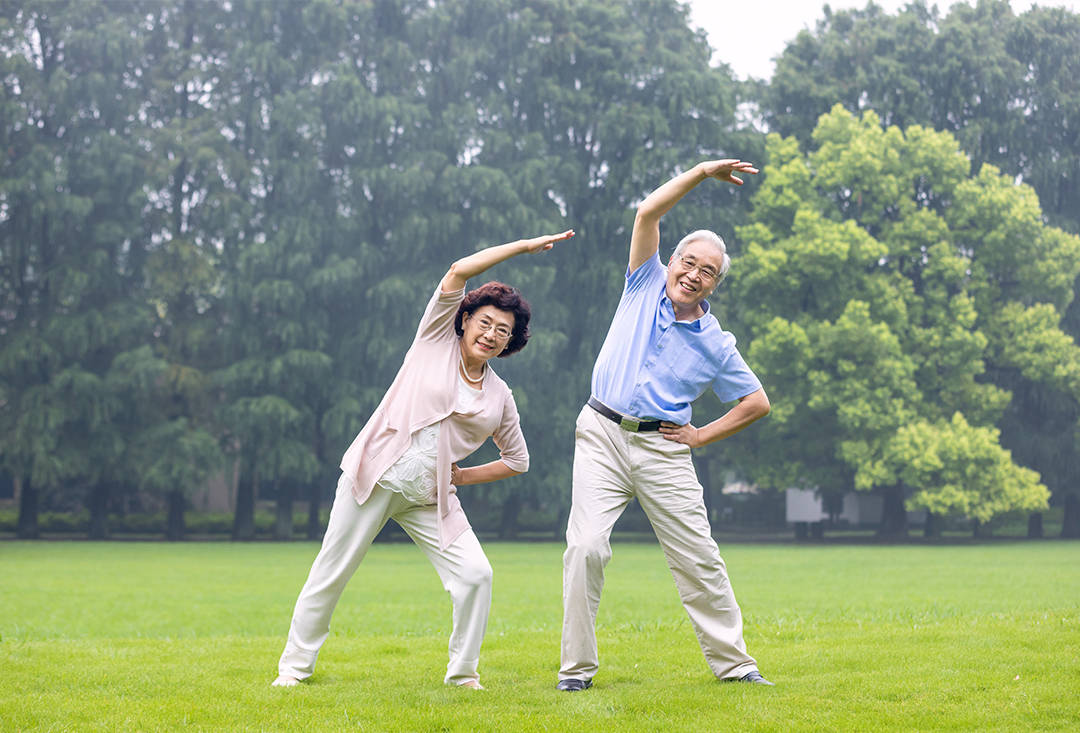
(704, 235)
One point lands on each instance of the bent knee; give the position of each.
(477, 573)
(591, 550)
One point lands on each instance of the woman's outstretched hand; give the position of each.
(724, 170)
(539, 244)
(478, 262)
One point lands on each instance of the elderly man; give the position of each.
(633, 438)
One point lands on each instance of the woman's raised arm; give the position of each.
(478, 262)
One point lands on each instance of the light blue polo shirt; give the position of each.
(652, 367)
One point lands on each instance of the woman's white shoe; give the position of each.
(285, 681)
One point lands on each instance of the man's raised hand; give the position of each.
(724, 170)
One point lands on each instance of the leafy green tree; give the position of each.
(875, 289)
(962, 470)
(73, 195)
(1004, 85)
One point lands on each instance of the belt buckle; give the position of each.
(629, 423)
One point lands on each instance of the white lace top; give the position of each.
(413, 475)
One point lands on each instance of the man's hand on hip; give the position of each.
(687, 434)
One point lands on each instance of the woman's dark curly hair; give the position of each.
(505, 298)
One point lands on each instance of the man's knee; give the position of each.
(590, 550)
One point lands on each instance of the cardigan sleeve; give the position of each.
(438, 319)
(509, 439)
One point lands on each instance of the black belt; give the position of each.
(626, 423)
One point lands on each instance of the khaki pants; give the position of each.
(611, 466)
(462, 567)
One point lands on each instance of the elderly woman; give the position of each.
(445, 402)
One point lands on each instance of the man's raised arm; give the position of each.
(645, 239)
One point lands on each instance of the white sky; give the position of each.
(748, 34)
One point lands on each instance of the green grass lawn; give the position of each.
(155, 636)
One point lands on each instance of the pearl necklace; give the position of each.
(465, 372)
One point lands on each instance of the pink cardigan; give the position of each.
(424, 392)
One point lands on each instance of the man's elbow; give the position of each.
(646, 215)
(762, 406)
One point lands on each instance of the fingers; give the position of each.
(679, 433)
(723, 169)
(541, 244)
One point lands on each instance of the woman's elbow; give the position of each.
(516, 464)
(454, 271)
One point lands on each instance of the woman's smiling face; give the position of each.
(485, 332)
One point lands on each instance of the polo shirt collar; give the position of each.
(669, 314)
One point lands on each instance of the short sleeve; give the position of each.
(647, 273)
(509, 439)
(438, 319)
(734, 379)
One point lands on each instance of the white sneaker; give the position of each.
(285, 681)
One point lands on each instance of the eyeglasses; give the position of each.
(707, 273)
(485, 324)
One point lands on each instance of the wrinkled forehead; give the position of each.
(495, 315)
(704, 253)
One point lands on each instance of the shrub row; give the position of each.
(195, 523)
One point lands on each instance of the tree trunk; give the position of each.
(932, 528)
(284, 520)
(244, 518)
(981, 530)
(1035, 528)
(99, 512)
(174, 524)
(27, 527)
(893, 514)
(1070, 522)
(509, 520)
(314, 524)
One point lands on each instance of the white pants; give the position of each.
(462, 567)
(611, 466)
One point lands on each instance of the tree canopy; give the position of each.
(886, 291)
(219, 223)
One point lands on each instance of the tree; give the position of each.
(877, 289)
(1004, 85)
(73, 192)
(963, 470)
(279, 187)
(1001, 83)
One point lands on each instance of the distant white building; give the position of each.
(806, 505)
